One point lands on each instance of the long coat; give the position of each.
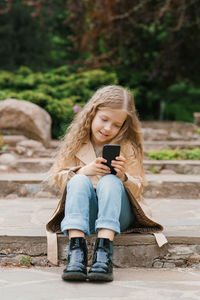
(134, 184)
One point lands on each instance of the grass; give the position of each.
(25, 260)
(174, 154)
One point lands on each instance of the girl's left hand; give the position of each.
(119, 165)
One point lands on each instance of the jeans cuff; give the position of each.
(107, 224)
(75, 221)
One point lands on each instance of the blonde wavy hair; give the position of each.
(110, 97)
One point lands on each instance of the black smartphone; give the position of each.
(109, 153)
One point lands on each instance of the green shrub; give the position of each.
(25, 260)
(63, 70)
(154, 170)
(56, 91)
(1, 141)
(83, 85)
(24, 71)
(46, 89)
(181, 100)
(6, 79)
(193, 154)
(3, 95)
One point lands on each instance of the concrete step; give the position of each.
(148, 146)
(11, 141)
(41, 165)
(22, 233)
(177, 166)
(160, 145)
(182, 144)
(33, 165)
(172, 186)
(163, 186)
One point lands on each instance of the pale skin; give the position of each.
(105, 126)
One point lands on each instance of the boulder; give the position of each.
(25, 118)
(8, 159)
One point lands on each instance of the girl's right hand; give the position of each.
(95, 168)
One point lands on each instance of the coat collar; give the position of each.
(86, 153)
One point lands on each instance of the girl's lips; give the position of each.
(103, 134)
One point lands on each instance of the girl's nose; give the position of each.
(107, 127)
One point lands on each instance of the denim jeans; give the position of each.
(89, 210)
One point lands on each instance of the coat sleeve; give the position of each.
(134, 172)
(66, 173)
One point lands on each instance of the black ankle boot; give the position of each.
(102, 267)
(77, 260)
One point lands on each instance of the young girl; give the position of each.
(97, 201)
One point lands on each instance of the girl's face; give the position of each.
(106, 125)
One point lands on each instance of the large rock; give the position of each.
(8, 159)
(28, 119)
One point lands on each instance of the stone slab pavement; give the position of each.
(129, 284)
(38, 177)
(28, 216)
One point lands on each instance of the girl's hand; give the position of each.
(119, 166)
(95, 168)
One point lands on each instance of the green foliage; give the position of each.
(192, 154)
(25, 260)
(23, 70)
(57, 91)
(6, 79)
(182, 99)
(35, 41)
(153, 57)
(179, 100)
(83, 85)
(1, 141)
(23, 41)
(154, 170)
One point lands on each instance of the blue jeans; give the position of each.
(90, 210)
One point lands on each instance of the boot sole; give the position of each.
(74, 276)
(100, 277)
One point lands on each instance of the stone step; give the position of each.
(163, 186)
(31, 215)
(12, 140)
(53, 148)
(13, 185)
(160, 145)
(39, 165)
(172, 186)
(148, 146)
(22, 233)
(177, 166)
(33, 165)
(153, 145)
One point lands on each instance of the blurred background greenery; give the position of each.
(57, 53)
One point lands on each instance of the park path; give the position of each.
(129, 284)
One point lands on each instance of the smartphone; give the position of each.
(109, 153)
